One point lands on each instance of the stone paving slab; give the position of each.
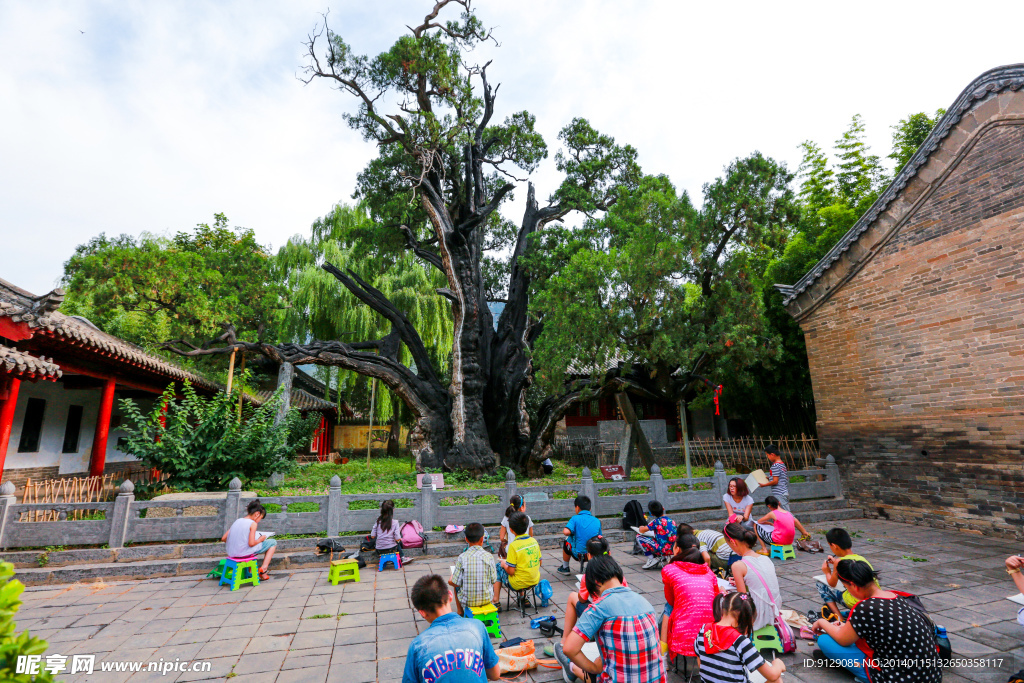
(297, 628)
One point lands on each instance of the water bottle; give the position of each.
(943, 644)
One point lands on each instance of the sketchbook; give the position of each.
(648, 533)
(1018, 598)
(755, 479)
(820, 578)
(267, 534)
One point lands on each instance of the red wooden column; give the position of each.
(99, 441)
(7, 418)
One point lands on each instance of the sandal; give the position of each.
(264, 575)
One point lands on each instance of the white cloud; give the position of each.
(163, 113)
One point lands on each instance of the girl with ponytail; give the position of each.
(690, 588)
(515, 504)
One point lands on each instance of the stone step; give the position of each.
(807, 511)
(200, 558)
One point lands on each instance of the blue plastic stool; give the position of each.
(393, 558)
(234, 574)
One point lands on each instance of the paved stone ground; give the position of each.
(298, 628)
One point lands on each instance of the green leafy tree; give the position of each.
(443, 169)
(671, 291)
(321, 309)
(189, 286)
(201, 444)
(859, 173)
(12, 643)
(910, 133)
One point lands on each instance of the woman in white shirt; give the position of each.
(738, 503)
(754, 574)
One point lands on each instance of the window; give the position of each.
(32, 427)
(72, 430)
(595, 408)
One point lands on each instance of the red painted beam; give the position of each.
(14, 331)
(98, 461)
(7, 419)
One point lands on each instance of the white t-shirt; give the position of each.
(509, 534)
(765, 611)
(237, 544)
(740, 507)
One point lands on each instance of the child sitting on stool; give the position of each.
(386, 533)
(475, 578)
(241, 539)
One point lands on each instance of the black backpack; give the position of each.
(633, 515)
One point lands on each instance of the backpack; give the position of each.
(412, 535)
(329, 545)
(633, 515)
(942, 645)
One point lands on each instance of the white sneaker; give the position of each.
(652, 562)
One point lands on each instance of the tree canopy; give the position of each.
(187, 286)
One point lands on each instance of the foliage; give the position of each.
(661, 284)
(13, 644)
(394, 475)
(201, 445)
(154, 288)
(323, 309)
(910, 133)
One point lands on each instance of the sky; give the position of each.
(132, 116)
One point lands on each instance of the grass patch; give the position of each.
(448, 502)
(914, 559)
(798, 479)
(676, 488)
(375, 504)
(293, 507)
(563, 495)
(486, 500)
(320, 616)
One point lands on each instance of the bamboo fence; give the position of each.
(76, 490)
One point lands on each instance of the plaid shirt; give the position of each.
(624, 627)
(475, 575)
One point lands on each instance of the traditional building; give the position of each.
(60, 377)
(914, 324)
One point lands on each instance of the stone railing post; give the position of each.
(122, 510)
(334, 507)
(231, 503)
(510, 486)
(721, 479)
(7, 499)
(833, 477)
(428, 503)
(588, 489)
(658, 487)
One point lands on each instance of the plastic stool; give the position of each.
(488, 614)
(393, 558)
(218, 572)
(343, 570)
(234, 573)
(767, 638)
(783, 552)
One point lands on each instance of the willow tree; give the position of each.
(323, 310)
(443, 169)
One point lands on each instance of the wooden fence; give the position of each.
(77, 490)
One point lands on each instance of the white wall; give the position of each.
(58, 401)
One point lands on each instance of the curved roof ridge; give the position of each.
(988, 84)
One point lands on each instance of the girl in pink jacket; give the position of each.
(690, 590)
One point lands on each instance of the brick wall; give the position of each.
(918, 360)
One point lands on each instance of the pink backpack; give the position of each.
(412, 535)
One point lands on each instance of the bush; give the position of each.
(201, 444)
(14, 645)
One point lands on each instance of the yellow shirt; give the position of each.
(848, 598)
(524, 555)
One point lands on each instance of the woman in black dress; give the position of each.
(897, 640)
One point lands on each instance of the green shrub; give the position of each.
(12, 644)
(201, 445)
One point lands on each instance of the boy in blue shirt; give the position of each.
(452, 649)
(580, 528)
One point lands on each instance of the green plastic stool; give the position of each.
(767, 638)
(783, 552)
(234, 574)
(488, 615)
(343, 570)
(218, 571)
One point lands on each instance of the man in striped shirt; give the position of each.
(779, 477)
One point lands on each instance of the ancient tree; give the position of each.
(444, 168)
